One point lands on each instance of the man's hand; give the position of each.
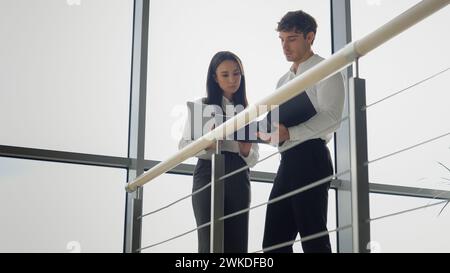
(283, 133)
(244, 148)
(280, 135)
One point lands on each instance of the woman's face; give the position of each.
(228, 76)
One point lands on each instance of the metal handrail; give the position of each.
(326, 68)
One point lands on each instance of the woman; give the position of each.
(225, 87)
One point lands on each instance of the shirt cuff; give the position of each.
(249, 158)
(249, 154)
(295, 133)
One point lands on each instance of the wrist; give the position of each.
(245, 153)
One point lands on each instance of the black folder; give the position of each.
(294, 111)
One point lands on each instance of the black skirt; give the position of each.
(237, 197)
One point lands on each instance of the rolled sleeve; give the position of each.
(330, 98)
(186, 140)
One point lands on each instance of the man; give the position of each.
(308, 159)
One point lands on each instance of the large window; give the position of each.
(65, 74)
(184, 35)
(172, 221)
(416, 115)
(65, 85)
(54, 207)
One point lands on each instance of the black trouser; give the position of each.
(237, 197)
(306, 212)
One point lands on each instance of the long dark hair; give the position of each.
(213, 91)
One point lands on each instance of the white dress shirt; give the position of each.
(226, 145)
(327, 97)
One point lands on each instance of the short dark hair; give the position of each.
(213, 91)
(297, 21)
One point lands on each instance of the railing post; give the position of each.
(359, 168)
(217, 200)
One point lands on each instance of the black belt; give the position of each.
(229, 153)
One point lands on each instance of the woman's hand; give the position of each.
(244, 148)
(213, 146)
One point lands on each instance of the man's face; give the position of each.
(295, 45)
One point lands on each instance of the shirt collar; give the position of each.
(226, 101)
(307, 64)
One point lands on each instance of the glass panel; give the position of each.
(180, 217)
(416, 115)
(54, 207)
(424, 167)
(418, 231)
(172, 221)
(178, 73)
(65, 74)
